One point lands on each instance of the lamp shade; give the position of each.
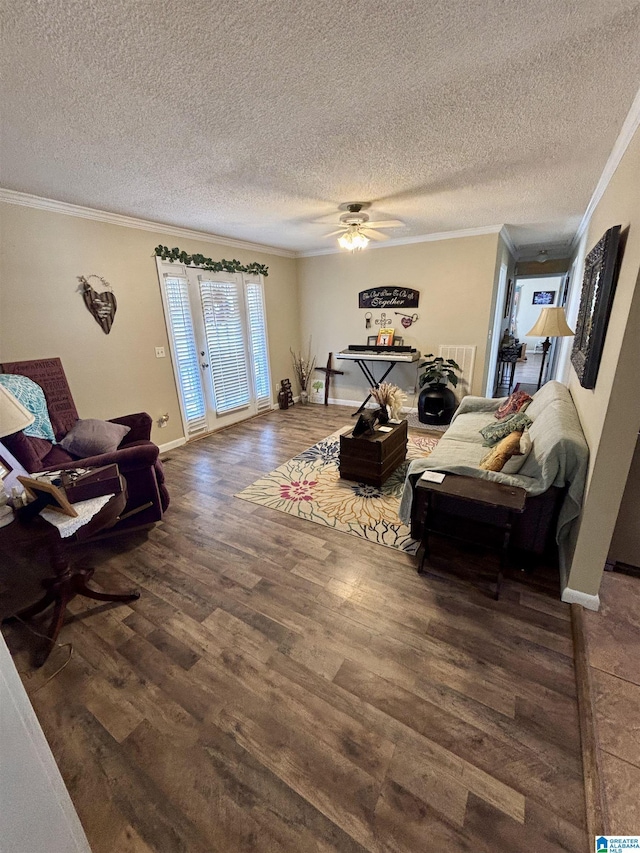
(13, 415)
(552, 323)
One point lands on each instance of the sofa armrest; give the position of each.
(126, 458)
(478, 404)
(139, 427)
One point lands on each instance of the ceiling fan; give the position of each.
(355, 228)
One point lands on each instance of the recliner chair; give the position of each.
(136, 457)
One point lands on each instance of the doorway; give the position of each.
(531, 295)
(216, 323)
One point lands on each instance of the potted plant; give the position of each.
(437, 402)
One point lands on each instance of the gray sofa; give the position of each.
(553, 473)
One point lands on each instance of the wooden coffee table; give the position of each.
(373, 458)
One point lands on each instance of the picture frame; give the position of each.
(507, 298)
(598, 289)
(5, 468)
(544, 297)
(10, 470)
(49, 495)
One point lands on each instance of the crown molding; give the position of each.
(629, 127)
(405, 241)
(506, 237)
(53, 206)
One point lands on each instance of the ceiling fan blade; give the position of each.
(374, 235)
(388, 223)
(329, 219)
(333, 233)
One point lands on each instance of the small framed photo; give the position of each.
(385, 337)
(372, 340)
(10, 470)
(51, 496)
(544, 297)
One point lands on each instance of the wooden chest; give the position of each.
(373, 458)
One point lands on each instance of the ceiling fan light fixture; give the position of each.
(353, 239)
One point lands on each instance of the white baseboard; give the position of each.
(334, 401)
(170, 445)
(574, 596)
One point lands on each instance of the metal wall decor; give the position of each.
(102, 306)
(388, 297)
(407, 319)
(598, 288)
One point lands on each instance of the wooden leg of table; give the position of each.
(426, 554)
(503, 560)
(79, 586)
(38, 607)
(55, 626)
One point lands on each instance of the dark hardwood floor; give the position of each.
(280, 686)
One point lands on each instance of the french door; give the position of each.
(218, 336)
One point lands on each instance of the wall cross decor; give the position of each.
(102, 306)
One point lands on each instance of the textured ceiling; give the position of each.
(250, 118)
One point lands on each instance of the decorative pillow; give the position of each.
(517, 402)
(513, 465)
(499, 455)
(492, 433)
(32, 398)
(91, 437)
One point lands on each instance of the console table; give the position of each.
(471, 509)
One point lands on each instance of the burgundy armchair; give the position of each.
(136, 457)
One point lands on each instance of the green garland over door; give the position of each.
(208, 264)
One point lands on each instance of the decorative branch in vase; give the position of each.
(389, 397)
(303, 366)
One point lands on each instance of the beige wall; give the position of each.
(610, 413)
(455, 279)
(43, 315)
(625, 545)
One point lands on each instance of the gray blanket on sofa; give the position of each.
(559, 454)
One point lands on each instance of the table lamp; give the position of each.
(13, 418)
(552, 323)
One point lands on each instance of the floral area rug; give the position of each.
(310, 487)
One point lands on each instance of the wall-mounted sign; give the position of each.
(388, 297)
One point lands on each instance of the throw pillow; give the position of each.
(91, 437)
(498, 456)
(31, 395)
(516, 402)
(492, 433)
(513, 465)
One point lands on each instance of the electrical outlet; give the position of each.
(160, 353)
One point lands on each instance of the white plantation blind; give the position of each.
(223, 326)
(258, 342)
(185, 352)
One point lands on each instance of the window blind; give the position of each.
(186, 353)
(258, 342)
(223, 325)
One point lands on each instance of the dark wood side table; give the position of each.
(373, 458)
(470, 509)
(37, 540)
